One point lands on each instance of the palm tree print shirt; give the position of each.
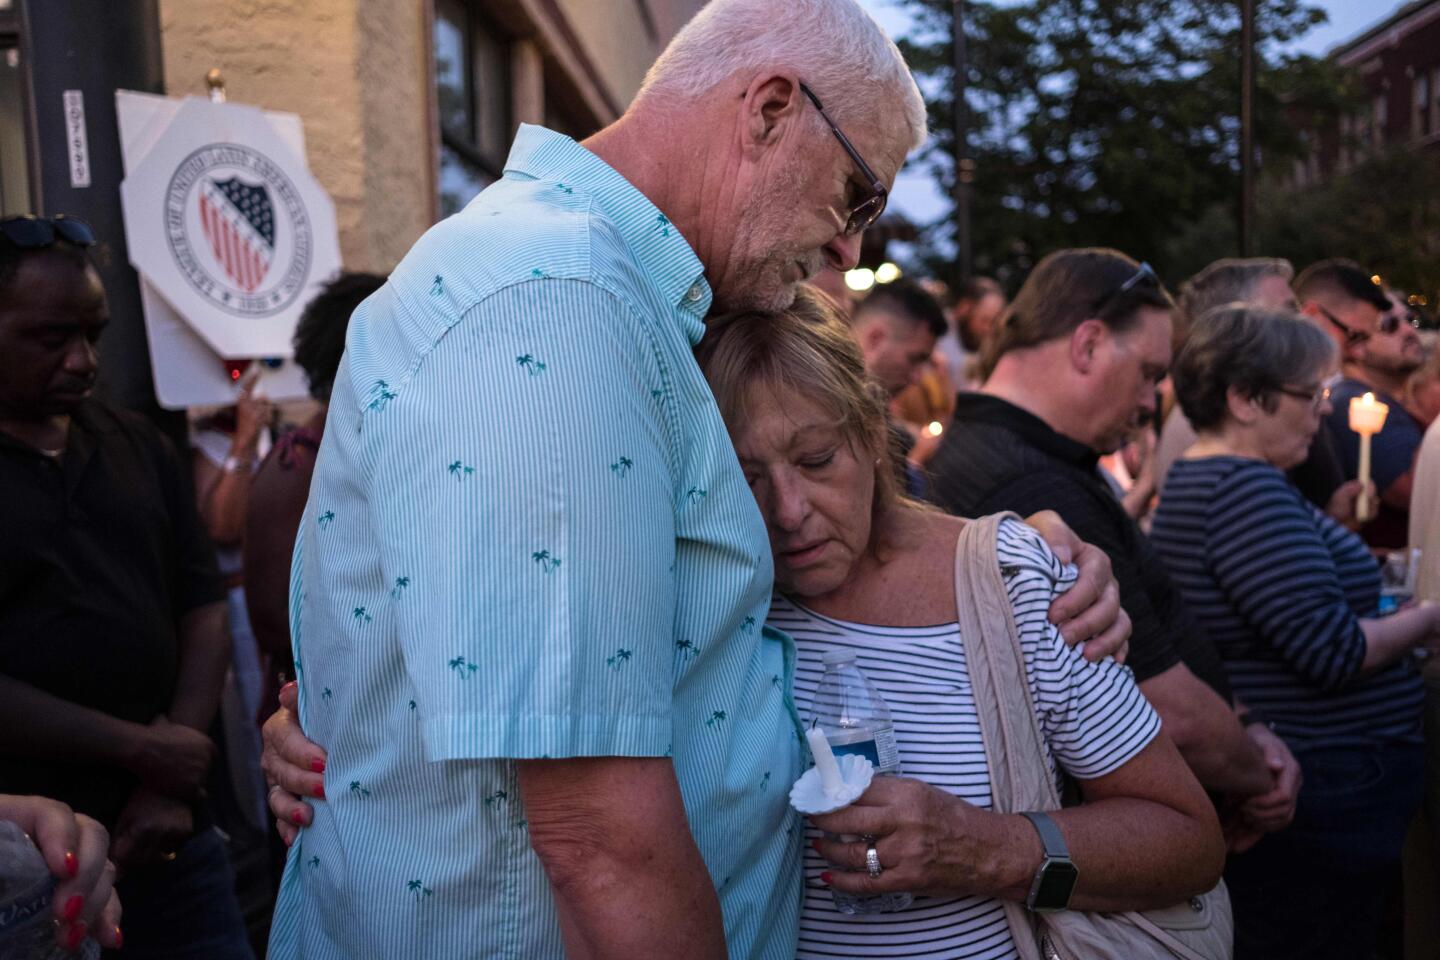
(528, 537)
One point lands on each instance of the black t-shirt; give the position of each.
(1321, 474)
(103, 553)
(996, 456)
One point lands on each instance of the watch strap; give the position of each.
(1050, 836)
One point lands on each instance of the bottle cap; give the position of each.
(836, 657)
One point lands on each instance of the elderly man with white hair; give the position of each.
(530, 580)
(530, 584)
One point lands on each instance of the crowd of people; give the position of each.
(594, 485)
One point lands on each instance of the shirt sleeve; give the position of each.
(524, 497)
(1152, 651)
(1280, 577)
(1092, 715)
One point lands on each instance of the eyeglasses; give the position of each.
(1316, 397)
(868, 210)
(1141, 273)
(1351, 334)
(36, 233)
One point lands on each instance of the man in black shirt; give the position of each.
(113, 644)
(1075, 362)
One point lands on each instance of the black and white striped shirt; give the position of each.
(1092, 716)
(1280, 587)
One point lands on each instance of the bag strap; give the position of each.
(996, 665)
(1006, 714)
(1014, 749)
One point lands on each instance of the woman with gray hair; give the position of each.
(1290, 598)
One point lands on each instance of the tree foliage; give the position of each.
(1110, 122)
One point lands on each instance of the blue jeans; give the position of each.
(1316, 890)
(185, 909)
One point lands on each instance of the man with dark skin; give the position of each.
(113, 646)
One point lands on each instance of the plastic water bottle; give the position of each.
(856, 719)
(27, 927)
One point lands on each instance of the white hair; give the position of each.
(834, 46)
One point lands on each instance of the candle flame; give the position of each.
(935, 428)
(1369, 398)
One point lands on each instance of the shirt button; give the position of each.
(694, 293)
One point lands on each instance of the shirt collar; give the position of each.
(984, 408)
(669, 261)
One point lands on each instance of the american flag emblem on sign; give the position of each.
(239, 222)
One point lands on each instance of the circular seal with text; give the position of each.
(238, 229)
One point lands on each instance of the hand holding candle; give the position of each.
(833, 782)
(1367, 418)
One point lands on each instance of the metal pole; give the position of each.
(1247, 125)
(964, 166)
(80, 53)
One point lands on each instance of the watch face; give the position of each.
(1057, 882)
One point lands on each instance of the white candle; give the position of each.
(830, 779)
(1367, 418)
(1367, 415)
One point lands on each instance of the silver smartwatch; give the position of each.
(1055, 881)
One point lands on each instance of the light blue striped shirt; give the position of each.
(528, 537)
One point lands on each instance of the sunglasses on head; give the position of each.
(36, 233)
(1141, 273)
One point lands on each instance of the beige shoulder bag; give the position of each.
(1201, 929)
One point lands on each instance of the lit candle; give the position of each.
(1367, 418)
(830, 779)
(935, 428)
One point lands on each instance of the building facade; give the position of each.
(409, 106)
(1397, 64)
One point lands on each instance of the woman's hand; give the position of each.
(74, 847)
(293, 767)
(928, 841)
(252, 415)
(1089, 612)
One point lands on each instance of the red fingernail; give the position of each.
(317, 765)
(288, 686)
(815, 845)
(297, 816)
(73, 906)
(76, 937)
(825, 878)
(319, 791)
(72, 863)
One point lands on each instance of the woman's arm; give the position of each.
(1280, 576)
(1390, 638)
(222, 490)
(1147, 836)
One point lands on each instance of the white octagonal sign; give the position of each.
(227, 223)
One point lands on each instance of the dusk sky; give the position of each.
(916, 194)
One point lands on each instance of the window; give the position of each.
(472, 87)
(1379, 117)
